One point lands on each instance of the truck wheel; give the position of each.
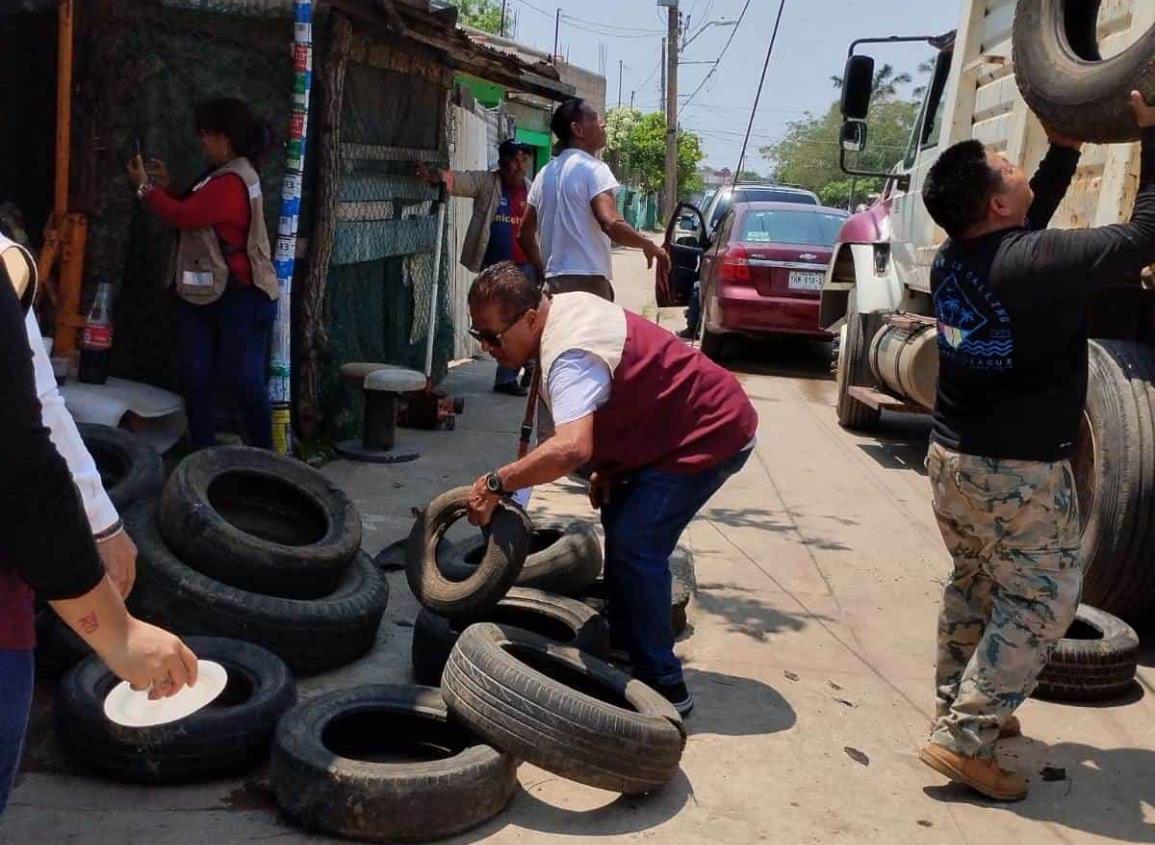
(853, 370)
(1095, 661)
(1066, 81)
(1114, 465)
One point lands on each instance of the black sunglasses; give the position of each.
(491, 338)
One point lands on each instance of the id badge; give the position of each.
(192, 279)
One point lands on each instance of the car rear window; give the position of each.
(775, 195)
(791, 227)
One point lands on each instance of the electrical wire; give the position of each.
(714, 69)
(761, 82)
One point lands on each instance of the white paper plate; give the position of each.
(132, 709)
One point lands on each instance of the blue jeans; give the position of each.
(508, 375)
(16, 674)
(226, 343)
(643, 520)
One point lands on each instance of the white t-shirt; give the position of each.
(578, 384)
(572, 242)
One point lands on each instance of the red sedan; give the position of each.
(763, 272)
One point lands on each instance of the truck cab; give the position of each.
(876, 294)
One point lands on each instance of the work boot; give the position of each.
(980, 774)
(677, 695)
(510, 388)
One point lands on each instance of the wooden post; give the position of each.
(68, 232)
(314, 284)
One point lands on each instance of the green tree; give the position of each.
(482, 14)
(808, 154)
(886, 82)
(636, 149)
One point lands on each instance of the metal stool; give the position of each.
(381, 386)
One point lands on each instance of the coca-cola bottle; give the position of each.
(96, 339)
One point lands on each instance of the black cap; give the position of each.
(511, 147)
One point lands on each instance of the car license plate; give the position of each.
(800, 280)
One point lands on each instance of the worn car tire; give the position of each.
(258, 521)
(1064, 78)
(683, 585)
(564, 558)
(853, 370)
(562, 710)
(58, 647)
(310, 635)
(1095, 661)
(564, 620)
(471, 598)
(322, 788)
(129, 468)
(230, 735)
(1114, 466)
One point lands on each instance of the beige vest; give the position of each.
(582, 321)
(17, 264)
(200, 270)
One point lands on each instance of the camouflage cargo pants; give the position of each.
(1012, 528)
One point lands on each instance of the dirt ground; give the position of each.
(811, 656)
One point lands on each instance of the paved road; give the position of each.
(819, 571)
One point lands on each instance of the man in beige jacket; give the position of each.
(499, 199)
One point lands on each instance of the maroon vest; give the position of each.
(670, 408)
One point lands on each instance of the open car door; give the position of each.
(685, 241)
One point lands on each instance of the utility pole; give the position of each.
(662, 91)
(671, 108)
(620, 62)
(503, 18)
(632, 100)
(556, 30)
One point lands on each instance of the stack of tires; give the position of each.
(522, 665)
(255, 547)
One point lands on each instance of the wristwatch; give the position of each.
(493, 484)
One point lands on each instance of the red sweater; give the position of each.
(223, 203)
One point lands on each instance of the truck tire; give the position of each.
(1064, 78)
(853, 370)
(386, 764)
(564, 558)
(129, 468)
(258, 521)
(230, 735)
(310, 635)
(1114, 466)
(506, 550)
(562, 710)
(1095, 661)
(566, 621)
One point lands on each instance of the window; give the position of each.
(928, 127)
(792, 227)
(776, 195)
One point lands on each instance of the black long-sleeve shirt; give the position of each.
(1012, 331)
(44, 534)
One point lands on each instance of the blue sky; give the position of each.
(812, 44)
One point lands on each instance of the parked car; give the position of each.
(714, 210)
(762, 271)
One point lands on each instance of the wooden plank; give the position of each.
(884, 401)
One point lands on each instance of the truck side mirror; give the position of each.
(853, 136)
(857, 87)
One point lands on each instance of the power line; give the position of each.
(714, 69)
(529, 5)
(761, 82)
(614, 27)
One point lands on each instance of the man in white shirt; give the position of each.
(571, 206)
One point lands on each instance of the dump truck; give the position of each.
(1070, 63)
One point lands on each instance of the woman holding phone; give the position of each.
(223, 268)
